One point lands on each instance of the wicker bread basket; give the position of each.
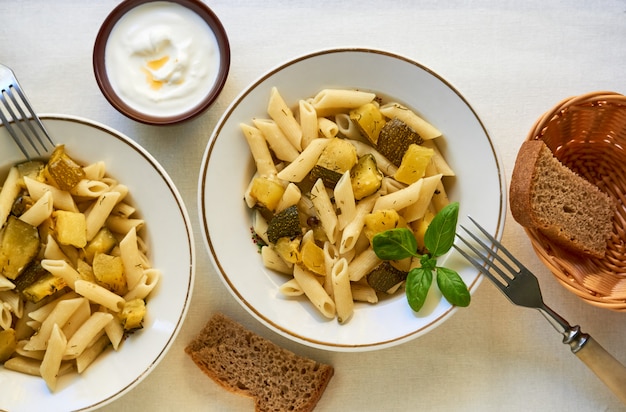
(587, 133)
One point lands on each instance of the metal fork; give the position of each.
(522, 288)
(20, 119)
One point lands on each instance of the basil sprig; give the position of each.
(400, 243)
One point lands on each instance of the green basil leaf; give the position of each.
(452, 287)
(394, 244)
(428, 263)
(418, 284)
(440, 234)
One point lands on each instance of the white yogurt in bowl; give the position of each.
(161, 62)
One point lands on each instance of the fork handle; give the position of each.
(605, 366)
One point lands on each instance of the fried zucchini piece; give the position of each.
(385, 277)
(414, 163)
(394, 140)
(369, 120)
(338, 157)
(109, 272)
(62, 171)
(132, 314)
(43, 287)
(266, 192)
(284, 224)
(31, 274)
(70, 228)
(365, 177)
(19, 246)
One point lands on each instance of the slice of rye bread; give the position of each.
(566, 208)
(250, 365)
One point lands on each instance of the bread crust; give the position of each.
(567, 209)
(245, 363)
(521, 179)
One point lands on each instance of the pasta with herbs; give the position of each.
(332, 171)
(74, 275)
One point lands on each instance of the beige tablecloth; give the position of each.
(512, 60)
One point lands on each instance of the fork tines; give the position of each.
(488, 260)
(22, 122)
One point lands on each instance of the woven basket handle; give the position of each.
(605, 366)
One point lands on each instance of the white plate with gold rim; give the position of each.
(169, 238)
(227, 168)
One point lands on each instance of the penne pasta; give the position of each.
(61, 199)
(278, 142)
(325, 210)
(100, 211)
(95, 171)
(342, 294)
(308, 122)
(314, 291)
(58, 317)
(272, 260)
(99, 295)
(91, 353)
(332, 100)
(291, 288)
(363, 264)
(284, 118)
(144, 286)
(346, 127)
(6, 284)
(344, 201)
(86, 334)
(302, 165)
(327, 127)
(51, 363)
(89, 188)
(291, 196)
(260, 152)
(39, 211)
(131, 258)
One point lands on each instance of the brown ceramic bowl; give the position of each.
(123, 104)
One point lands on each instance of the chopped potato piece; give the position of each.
(267, 192)
(414, 163)
(381, 220)
(339, 156)
(365, 177)
(103, 242)
(313, 257)
(132, 314)
(369, 120)
(109, 272)
(8, 344)
(288, 249)
(70, 228)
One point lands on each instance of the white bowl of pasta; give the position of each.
(305, 115)
(123, 269)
